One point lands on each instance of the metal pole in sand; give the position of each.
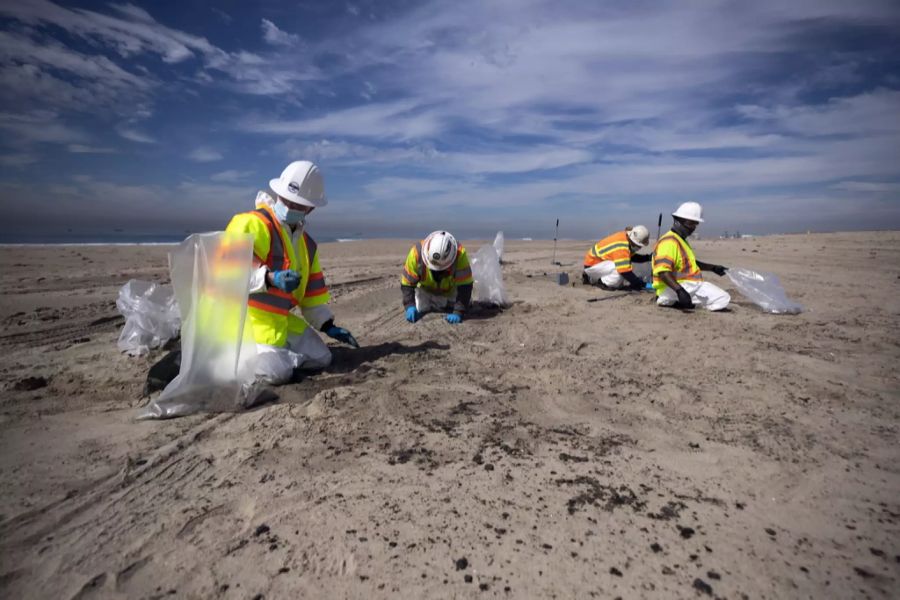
(555, 235)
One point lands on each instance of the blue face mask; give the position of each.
(289, 216)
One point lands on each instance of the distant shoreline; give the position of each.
(171, 240)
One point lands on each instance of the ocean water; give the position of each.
(14, 239)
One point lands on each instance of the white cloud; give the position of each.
(130, 133)
(135, 12)
(868, 186)
(226, 18)
(18, 159)
(231, 176)
(205, 154)
(84, 149)
(400, 120)
(273, 35)
(136, 33)
(39, 126)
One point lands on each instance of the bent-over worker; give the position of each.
(437, 276)
(608, 263)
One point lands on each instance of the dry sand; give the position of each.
(559, 448)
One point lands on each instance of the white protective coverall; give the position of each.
(703, 294)
(606, 272)
(426, 301)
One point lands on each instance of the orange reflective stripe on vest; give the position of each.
(273, 300)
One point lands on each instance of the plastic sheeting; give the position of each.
(764, 290)
(498, 244)
(488, 276)
(211, 274)
(151, 316)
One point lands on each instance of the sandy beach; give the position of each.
(556, 449)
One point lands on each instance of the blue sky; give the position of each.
(164, 117)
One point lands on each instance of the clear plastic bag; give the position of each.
(151, 316)
(498, 245)
(764, 290)
(488, 277)
(211, 276)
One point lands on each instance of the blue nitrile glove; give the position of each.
(341, 335)
(648, 286)
(286, 280)
(412, 315)
(454, 319)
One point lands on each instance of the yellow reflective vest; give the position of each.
(417, 274)
(270, 310)
(673, 253)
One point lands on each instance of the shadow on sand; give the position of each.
(345, 360)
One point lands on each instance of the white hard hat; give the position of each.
(439, 250)
(301, 182)
(691, 211)
(639, 235)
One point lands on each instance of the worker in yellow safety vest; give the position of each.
(609, 262)
(287, 276)
(677, 276)
(437, 276)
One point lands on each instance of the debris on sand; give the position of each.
(29, 384)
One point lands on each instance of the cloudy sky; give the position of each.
(164, 117)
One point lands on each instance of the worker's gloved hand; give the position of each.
(684, 299)
(454, 319)
(648, 286)
(287, 281)
(719, 270)
(412, 315)
(341, 335)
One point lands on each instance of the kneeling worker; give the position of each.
(609, 261)
(287, 275)
(676, 271)
(436, 276)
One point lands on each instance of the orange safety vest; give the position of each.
(615, 248)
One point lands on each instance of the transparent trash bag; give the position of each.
(764, 290)
(211, 276)
(498, 245)
(488, 277)
(151, 316)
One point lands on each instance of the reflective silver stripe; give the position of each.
(277, 261)
(272, 300)
(311, 248)
(463, 273)
(276, 245)
(420, 266)
(316, 284)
